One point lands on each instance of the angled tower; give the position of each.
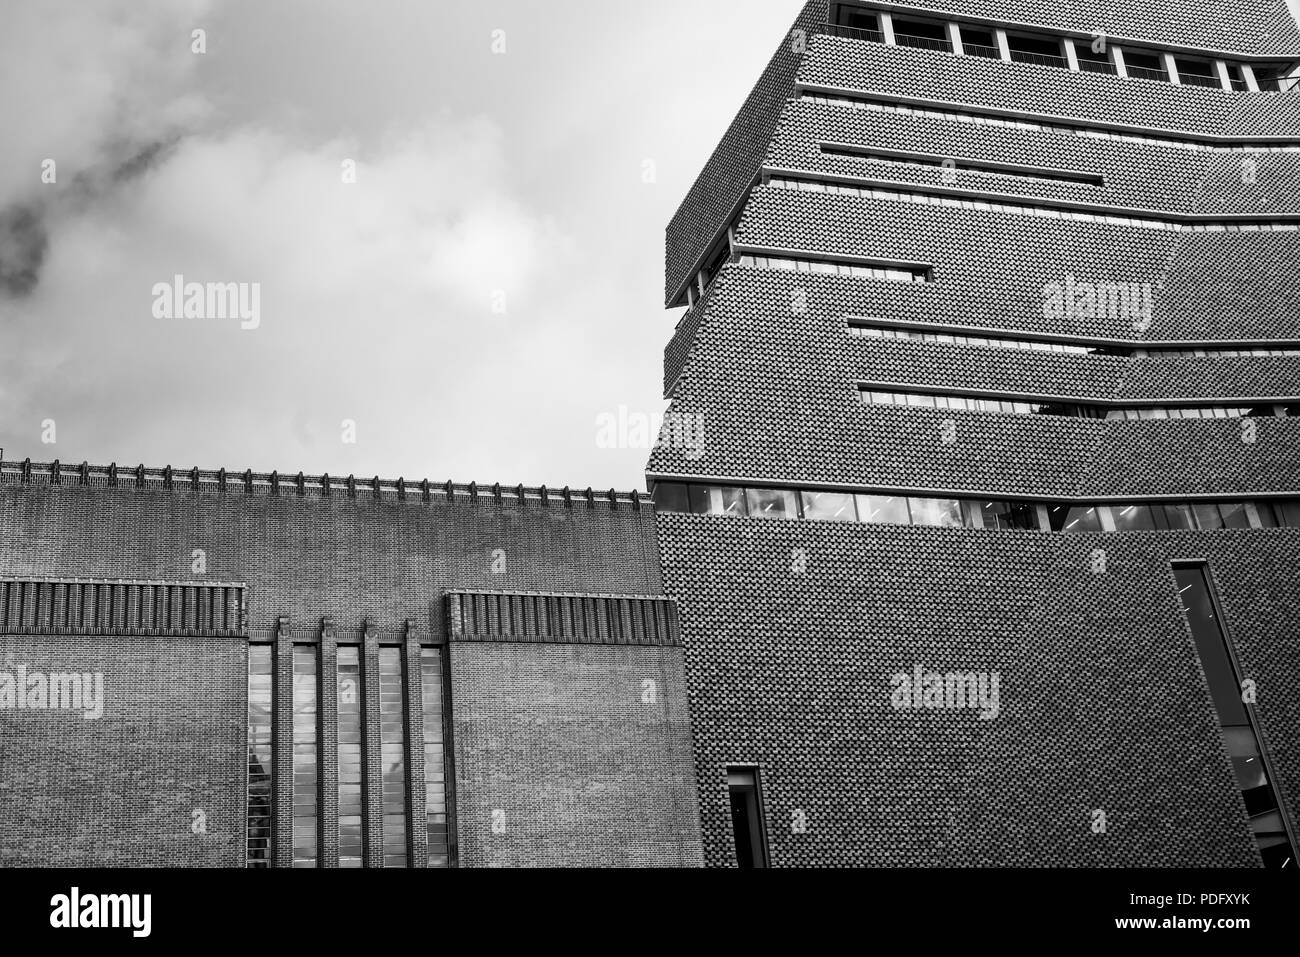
(990, 553)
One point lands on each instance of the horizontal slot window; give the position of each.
(922, 398)
(969, 403)
(878, 329)
(963, 163)
(996, 514)
(836, 267)
(1175, 353)
(964, 339)
(1049, 50)
(1193, 412)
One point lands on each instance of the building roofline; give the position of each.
(300, 485)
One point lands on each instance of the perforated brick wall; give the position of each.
(1102, 701)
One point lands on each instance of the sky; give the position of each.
(451, 214)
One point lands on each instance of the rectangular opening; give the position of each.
(963, 163)
(889, 272)
(1146, 65)
(747, 818)
(857, 24)
(1196, 72)
(1236, 722)
(1093, 56)
(1236, 79)
(978, 42)
(1036, 48)
(923, 34)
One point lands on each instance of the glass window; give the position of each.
(1009, 514)
(888, 509)
(392, 744)
(1132, 518)
(1288, 513)
(671, 497)
(829, 506)
(305, 777)
(350, 743)
(260, 755)
(717, 500)
(435, 759)
(747, 825)
(1173, 516)
(1207, 515)
(935, 511)
(1234, 515)
(1235, 720)
(772, 503)
(1267, 517)
(1074, 518)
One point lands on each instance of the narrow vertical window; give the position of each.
(351, 771)
(259, 755)
(747, 818)
(392, 742)
(305, 768)
(1236, 722)
(435, 766)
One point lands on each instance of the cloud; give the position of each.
(22, 249)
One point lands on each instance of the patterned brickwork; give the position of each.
(1138, 175)
(167, 755)
(1103, 704)
(793, 629)
(731, 168)
(579, 754)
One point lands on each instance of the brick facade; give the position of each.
(793, 627)
(323, 563)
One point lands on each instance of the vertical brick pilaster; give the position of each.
(282, 805)
(329, 746)
(416, 831)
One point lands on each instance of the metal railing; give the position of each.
(1197, 79)
(1143, 73)
(980, 50)
(1096, 66)
(852, 33)
(922, 43)
(1043, 59)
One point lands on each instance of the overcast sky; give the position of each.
(485, 180)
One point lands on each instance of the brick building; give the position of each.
(306, 671)
(992, 330)
(988, 556)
